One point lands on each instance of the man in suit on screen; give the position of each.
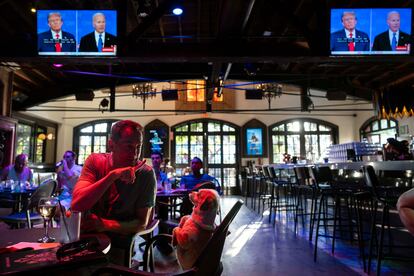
(98, 40)
(393, 38)
(349, 39)
(55, 40)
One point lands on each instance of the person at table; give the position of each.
(162, 179)
(405, 208)
(393, 37)
(116, 190)
(190, 181)
(68, 173)
(19, 172)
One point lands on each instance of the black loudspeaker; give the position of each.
(169, 95)
(86, 95)
(254, 94)
(336, 95)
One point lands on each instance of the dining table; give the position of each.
(26, 255)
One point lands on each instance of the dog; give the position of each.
(195, 230)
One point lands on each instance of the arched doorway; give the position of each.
(215, 142)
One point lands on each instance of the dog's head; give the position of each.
(205, 199)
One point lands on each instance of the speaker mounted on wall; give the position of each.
(169, 95)
(86, 95)
(254, 94)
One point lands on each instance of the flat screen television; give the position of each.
(385, 31)
(77, 32)
(156, 140)
(254, 141)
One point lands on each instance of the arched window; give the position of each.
(304, 138)
(215, 142)
(91, 137)
(377, 131)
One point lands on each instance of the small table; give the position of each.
(45, 260)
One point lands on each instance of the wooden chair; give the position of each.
(208, 263)
(45, 189)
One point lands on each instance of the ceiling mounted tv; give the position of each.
(76, 32)
(370, 31)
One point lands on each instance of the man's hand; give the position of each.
(127, 174)
(93, 223)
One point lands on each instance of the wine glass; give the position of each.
(47, 208)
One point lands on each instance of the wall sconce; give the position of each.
(144, 91)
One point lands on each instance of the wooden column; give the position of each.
(7, 124)
(6, 88)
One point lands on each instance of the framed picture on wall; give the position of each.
(156, 137)
(254, 141)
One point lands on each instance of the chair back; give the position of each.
(45, 189)
(205, 185)
(208, 263)
(265, 170)
(371, 180)
(302, 175)
(322, 175)
(272, 172)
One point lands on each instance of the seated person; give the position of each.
(397, 150)
(405, 207)
(67, 176)
(162, 179)
(116, 191)
(190, 181)
(19, 172)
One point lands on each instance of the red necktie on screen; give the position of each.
(351, 46)
(57, 45)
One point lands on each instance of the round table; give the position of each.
(12, 236)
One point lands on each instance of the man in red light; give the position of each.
(116, 190)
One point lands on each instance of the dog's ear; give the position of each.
(207, 204)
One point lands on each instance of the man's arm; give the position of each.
(97, 224)
(405, 207)
(88, 191)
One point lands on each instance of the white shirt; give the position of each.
(348, 34)
(97, 38)
(391, 34)
(54, 35)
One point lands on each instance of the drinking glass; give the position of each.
(47, 208)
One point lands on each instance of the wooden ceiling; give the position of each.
(284, 41)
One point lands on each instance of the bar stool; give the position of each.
(339, 192)
(304, 186)
(387, 196)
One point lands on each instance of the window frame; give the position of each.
(369, 123)
(334, 132)
(77, 133)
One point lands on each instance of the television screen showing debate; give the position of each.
(370, 31)
(76, 32)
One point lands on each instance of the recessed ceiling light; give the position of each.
(177, 11)
(33, 10)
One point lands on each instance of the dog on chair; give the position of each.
(196, 229)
